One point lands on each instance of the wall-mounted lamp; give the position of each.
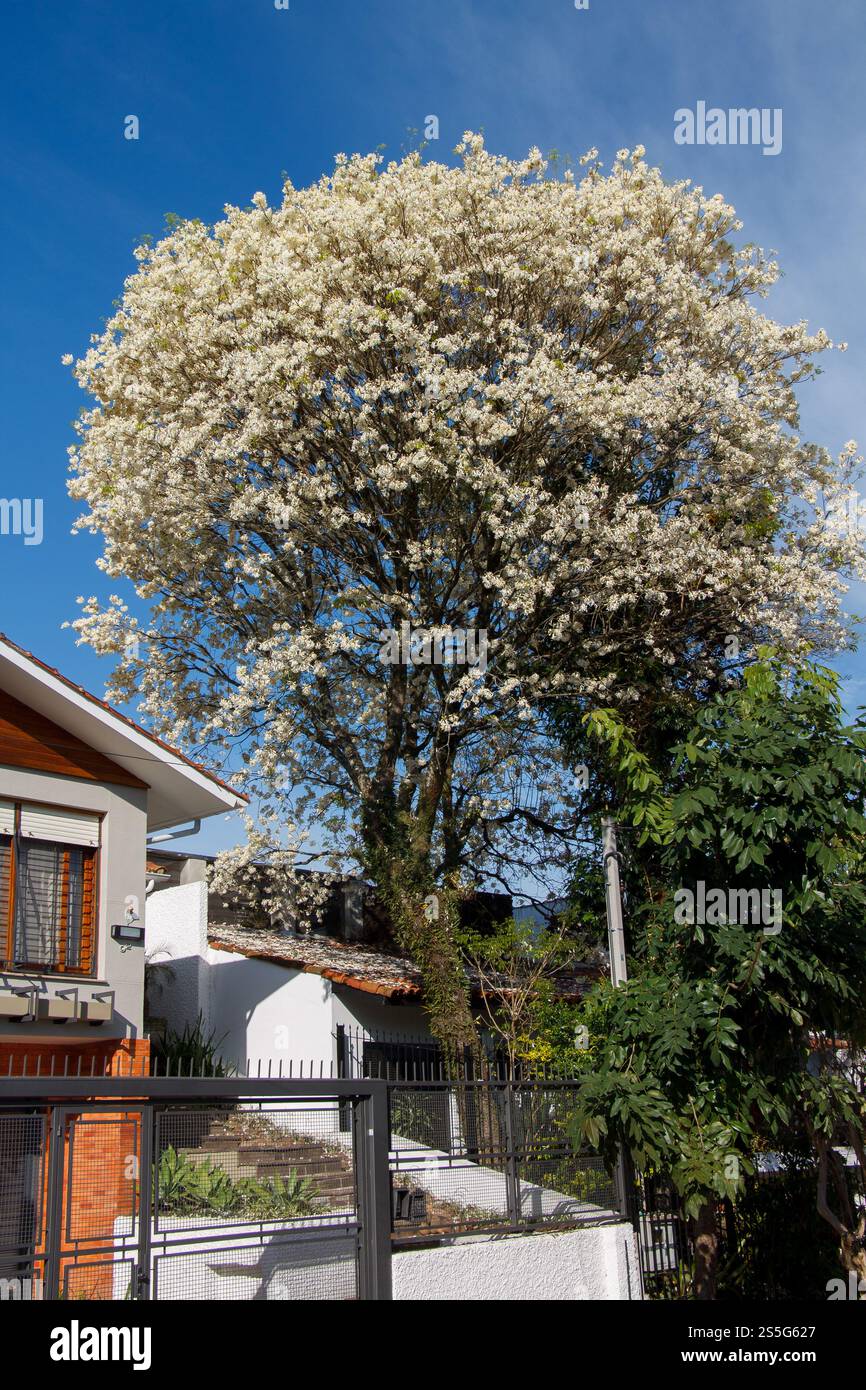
(129, 933)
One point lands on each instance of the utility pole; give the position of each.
(629, 1200)
(613, 902)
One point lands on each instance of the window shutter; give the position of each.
(7, 817)
(60, 827)
(54, 907)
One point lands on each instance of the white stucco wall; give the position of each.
(286, 1261)
(357, 1009)
(594, 1263)
(175, 936)
(270, 1013)
(262, 1012)
(273, 1260)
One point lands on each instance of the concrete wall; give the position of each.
(121, 872)
(175, 934)
(262, 1012)
(273, 1261)
(593, 1263)
(276, 1261)
(270, 1013)
(373, 1013)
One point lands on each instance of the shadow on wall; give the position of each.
(259, 1012)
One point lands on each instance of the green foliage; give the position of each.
(779, 1247)
(644, 803)
(187, 1188)
(405, 884)
(192, 1052)
(703, 1054)
(413, 1117)
(518, 964)
(279, 1197)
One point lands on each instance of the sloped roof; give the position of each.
(374, 971)
(359, 967)
(179, 789)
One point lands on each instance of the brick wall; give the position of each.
(100, 1152)
(103, 1057)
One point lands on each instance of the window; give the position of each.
(47, 891)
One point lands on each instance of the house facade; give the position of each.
(81, 789)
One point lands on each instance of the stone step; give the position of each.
(218, 1143)
(326, 1181)
(333, 1184)
(263, 1152)
(324, 1189)
(311, 1167)
(330, 1173)
(325, 1185)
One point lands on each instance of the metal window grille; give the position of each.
(47, 902)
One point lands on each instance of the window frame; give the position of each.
(90, 883)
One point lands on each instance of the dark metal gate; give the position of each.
(204, 1188)
(662, 1234)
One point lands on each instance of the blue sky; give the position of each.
(229, 93)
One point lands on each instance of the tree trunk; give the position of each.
(706, 1235)
(431, 945)
(852, 1253)
(424, 919)
(850, 1229)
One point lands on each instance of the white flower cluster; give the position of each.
(470, 397)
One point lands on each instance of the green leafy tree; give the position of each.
(518, 971)
(724, 1038)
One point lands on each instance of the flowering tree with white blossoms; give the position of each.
(475, 398)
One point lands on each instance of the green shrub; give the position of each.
(191, 1052)
(279, 1197)
(186, 1188)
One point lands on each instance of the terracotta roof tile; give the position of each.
(374, 971)
(359, 967)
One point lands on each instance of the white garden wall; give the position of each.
(175, 936)
(276, 1261)
(594, 1263)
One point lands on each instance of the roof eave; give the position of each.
(179, 790)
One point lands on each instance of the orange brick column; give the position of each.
(101, 1156)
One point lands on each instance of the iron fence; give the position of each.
(215, 1188)
(492, 1156)
(664, 1241)
(404, 1057)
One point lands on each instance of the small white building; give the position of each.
(274, 998)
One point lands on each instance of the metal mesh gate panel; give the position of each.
(488, 1156)
(22, 1201)
(254, 1202)
(262, 1191)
